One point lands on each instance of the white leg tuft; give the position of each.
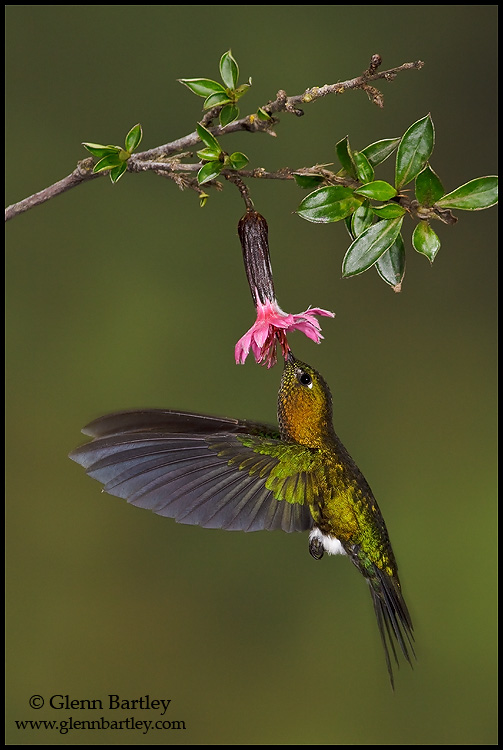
(331, 544)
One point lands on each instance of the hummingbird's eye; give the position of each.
(305, 379)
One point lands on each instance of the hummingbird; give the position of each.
(241, 475)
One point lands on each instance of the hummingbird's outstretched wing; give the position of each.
(208, 471)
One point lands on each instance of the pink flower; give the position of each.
(271, 328)
(272, 323)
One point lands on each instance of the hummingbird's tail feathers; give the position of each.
(384, 631)
(183, 477)
(393, 619)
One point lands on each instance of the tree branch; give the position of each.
(83, 172)
(152, 159)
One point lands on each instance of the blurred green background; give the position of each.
(132, 295)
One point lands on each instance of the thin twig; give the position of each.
(282, 103)
(150, 159)
(245, 193)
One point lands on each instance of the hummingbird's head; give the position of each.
(304, 404)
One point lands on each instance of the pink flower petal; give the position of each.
(271, 327)
(260, 333)
(308, 330)
(242, 348)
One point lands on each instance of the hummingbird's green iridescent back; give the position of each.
(240, 475)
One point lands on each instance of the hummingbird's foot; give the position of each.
(316, 547)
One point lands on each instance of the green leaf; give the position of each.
(344, 154)
(364, 169)
(228, 114)
(133, 138)
(99, 151)
(308, 181)
(370, 246)
(229, 70)
(361, 219)
(112, 160)
(414, 151)
(202, 86)
(241, 90)
(328, 204)
(208, 154)
(388, 211)
(238, 160)
(117, 172)
(379, 190)
(391, 265)
(379, 151)
(210, 170)
(429, 189)
(207, 138)
(262, 114)
(347, 222)
(216, 100)
(425, 240)
(473, 196)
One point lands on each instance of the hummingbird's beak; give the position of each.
(290, 358)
